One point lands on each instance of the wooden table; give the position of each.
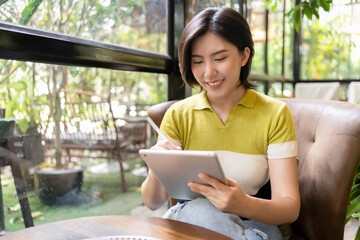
(102, 226)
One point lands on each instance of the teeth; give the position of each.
(215, 83)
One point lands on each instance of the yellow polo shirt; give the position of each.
(257, 128)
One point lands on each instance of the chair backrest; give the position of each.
(353, 92)
(9, 158)
(328, 134)
(319, 90)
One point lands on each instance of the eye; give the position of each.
(220, 59)
(197, 62)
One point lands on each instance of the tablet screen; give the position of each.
(174, 169)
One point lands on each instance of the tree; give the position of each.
(308, 8)
(107, 21)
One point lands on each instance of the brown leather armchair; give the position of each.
(328, 134)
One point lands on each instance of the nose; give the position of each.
(210, 70)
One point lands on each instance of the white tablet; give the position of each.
(174, 169)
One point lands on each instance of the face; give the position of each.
(216, 65)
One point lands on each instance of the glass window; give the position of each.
(195, 6)
(260, 87)
(330, 46)
(289, 44)
(257, 25)
(275, 89)
(77, 117)
(288, 90)
(275, 41)
(256, 17)
(136, 24)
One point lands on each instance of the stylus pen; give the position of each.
(159, 132)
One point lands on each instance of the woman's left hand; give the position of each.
(225, 198)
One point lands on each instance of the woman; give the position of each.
(215, 52)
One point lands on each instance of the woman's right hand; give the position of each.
(154, 194)
(165, 145)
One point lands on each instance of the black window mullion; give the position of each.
(27, 44)
(176, 23)
(266, 67)
(283, 49)
(296, 50)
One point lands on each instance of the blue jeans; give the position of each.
(202, 213)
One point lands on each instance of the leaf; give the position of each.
(307, 11)
(315, 4)
(266, 4)
(23, 125)
(37, 214)
(353, 207)
(357, 237)
(3, 66)
(355, 204)
(325, 5)
(2, 2)
(14, 208)
(290, 15)
(7, 76)
(297, 18)
(43, 99)
(354, 193)
(14, 219)
(316, 13)
(29, 11)
(18, 86)
(5, 182)
(273, 6)
(74, 71)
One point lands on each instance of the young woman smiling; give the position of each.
(215, 52)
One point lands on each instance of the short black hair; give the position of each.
(225, 22)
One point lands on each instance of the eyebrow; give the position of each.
(213, 54)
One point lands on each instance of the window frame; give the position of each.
(55, 48)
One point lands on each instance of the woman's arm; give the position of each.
(283, 207)
(153, 193)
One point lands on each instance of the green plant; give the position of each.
(22, 99)
(100, 190)
(353, 210)
(23, 102)
(308, 8)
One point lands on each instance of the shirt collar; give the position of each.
(248, 100)
(202, 102)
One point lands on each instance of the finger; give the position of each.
(231, 182)
(164, 145)
(215, 183)
(169, 145)
(200, 188)
(158, 147)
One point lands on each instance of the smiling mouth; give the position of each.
(215, 83)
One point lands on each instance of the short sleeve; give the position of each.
(169, 126)
(282, 137)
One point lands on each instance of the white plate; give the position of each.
(128, 237)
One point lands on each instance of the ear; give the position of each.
(245, 56)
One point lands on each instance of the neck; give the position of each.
(229, 101)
